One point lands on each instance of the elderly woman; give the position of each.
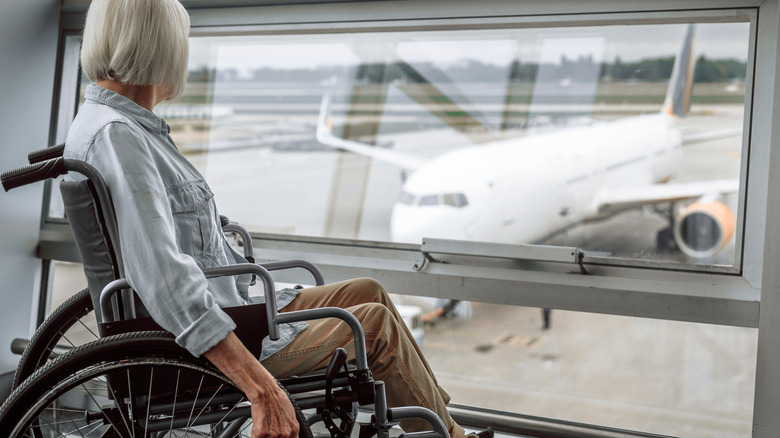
(136, 52)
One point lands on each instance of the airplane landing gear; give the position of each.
(665, 242)
(546, 318)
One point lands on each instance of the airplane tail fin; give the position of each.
(678, 96)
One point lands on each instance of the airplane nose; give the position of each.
(405, 227)
(409, 224)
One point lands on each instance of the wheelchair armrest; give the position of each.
(272, 312)
(234, 227)
(222, 271)
(319, 280)
(246, 239)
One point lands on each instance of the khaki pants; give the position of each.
(393, 355)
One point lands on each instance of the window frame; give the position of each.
(731, 295)
(745, 296)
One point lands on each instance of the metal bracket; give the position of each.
(425, 260)
(542, 253)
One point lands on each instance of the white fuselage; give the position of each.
(523, 190)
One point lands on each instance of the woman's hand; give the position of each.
(273, 415)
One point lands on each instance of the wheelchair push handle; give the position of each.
(33, 173)
(46, 154)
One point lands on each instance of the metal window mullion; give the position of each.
(766, 142)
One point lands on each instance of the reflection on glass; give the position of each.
(550, 136)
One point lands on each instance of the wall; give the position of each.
(29, 31)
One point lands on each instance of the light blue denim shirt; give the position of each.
(169, 227)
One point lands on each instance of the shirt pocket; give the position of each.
(196, 229)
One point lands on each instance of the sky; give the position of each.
(499, 47)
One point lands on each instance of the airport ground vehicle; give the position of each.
(134, 380)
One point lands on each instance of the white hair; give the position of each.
(137, 42)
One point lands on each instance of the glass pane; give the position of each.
(69, 91)
(550, 136)
(68, 279)
(670, 378)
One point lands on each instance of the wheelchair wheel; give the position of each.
(70, 325)
(129, 385)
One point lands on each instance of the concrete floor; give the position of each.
(665, 377)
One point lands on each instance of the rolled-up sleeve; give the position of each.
(170, 284)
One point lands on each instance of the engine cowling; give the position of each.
(703, 229)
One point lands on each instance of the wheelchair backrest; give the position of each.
(98, 254)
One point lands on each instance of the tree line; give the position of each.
(582, 69)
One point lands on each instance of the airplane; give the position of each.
(527, 189)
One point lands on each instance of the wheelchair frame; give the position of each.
(331, 392)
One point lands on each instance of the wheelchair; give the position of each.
(132, 380)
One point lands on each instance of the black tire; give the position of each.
(55, 331)
(78, 392)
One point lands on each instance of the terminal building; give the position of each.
(570, 202)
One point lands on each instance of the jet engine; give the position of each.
(704, 228)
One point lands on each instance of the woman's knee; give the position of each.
(371, 290)
(375, 318)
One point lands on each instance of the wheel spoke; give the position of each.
(226, 415)
(131, 408)
(88, 329)
(189, 420)
(203, 409)
(148, 400)
(103, 412)
(62, 336)
(175, 395)
(50, 427)
(121, 413)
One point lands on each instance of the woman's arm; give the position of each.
(273, 415)
(170, 283)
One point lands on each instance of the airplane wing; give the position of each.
(325, 136)
(700, 137)
(619, 199)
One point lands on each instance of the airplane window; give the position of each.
(427, 200)
(513, 117)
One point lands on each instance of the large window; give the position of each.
(555, 136)
(619, 135)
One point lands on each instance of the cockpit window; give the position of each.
(429, 200)
(457, 200)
